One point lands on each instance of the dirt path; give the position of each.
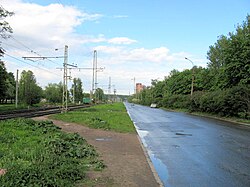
(122, 153)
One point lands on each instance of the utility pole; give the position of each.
(16, 87)
(95, 70)
(93, 77)
(74, 92)
(109, 88)
(65, 81)
(95, 52)
(192, 84)
(65, 75)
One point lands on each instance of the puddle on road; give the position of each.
(183, 134)
(103, 139)
(160, 168)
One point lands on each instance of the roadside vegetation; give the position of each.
(222, 88)
(106, 116)
(38, 153)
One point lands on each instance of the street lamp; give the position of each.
(192, 85)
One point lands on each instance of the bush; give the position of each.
(232, 102)
(176, 101)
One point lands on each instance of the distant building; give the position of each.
(139, 87)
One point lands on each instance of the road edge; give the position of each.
(156, 176)
(153, 170)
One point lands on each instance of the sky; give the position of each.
(141, 39)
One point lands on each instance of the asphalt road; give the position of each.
(193, 151)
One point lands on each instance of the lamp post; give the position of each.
(192, 85)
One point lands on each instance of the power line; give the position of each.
(31, 50)
(31, 64)
(12, 37)
(11, 45)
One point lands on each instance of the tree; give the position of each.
(3, 77)
(53, 92)
(230, 58)
(11, 87)
(179, 82)
(29, 92)
(5, 28)
(76, 90)
(99, 94)
(237, 67)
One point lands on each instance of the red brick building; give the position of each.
(139, 87)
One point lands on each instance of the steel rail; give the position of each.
(37, 112)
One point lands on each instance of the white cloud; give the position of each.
(46, 25)
(121, 40)
(120, 16)
(113, 50)
(118, 54)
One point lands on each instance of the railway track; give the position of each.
(29, 113)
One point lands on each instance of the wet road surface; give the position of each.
(194, 151)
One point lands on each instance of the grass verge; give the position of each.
(107, 116)
(37, 153)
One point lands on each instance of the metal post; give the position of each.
(93, 78)
(74, 92)
(16, 87)
(65, 81)
(192, 84)
(95, 69)
(109, 89)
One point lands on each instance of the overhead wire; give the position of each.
(32, 51)
(31, 64)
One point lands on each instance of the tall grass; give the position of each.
(107, 116)
(39, 154)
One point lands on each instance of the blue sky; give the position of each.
(145, 39)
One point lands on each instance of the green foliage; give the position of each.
(38, 154)
(77, 90)
(234, 101)
(3, 77)
(5, 28)
(106, 116)
(230, 57)
(179, 82)
(29, 92)
(11, 86)
(176, 101)
(99, 94)
(53, 92)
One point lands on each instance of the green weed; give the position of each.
(107, 116)
(39, 154)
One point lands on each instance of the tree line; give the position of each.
(30, 93)
(223, 87)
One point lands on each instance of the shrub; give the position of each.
(233, 102)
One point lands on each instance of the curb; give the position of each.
(156, 176)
